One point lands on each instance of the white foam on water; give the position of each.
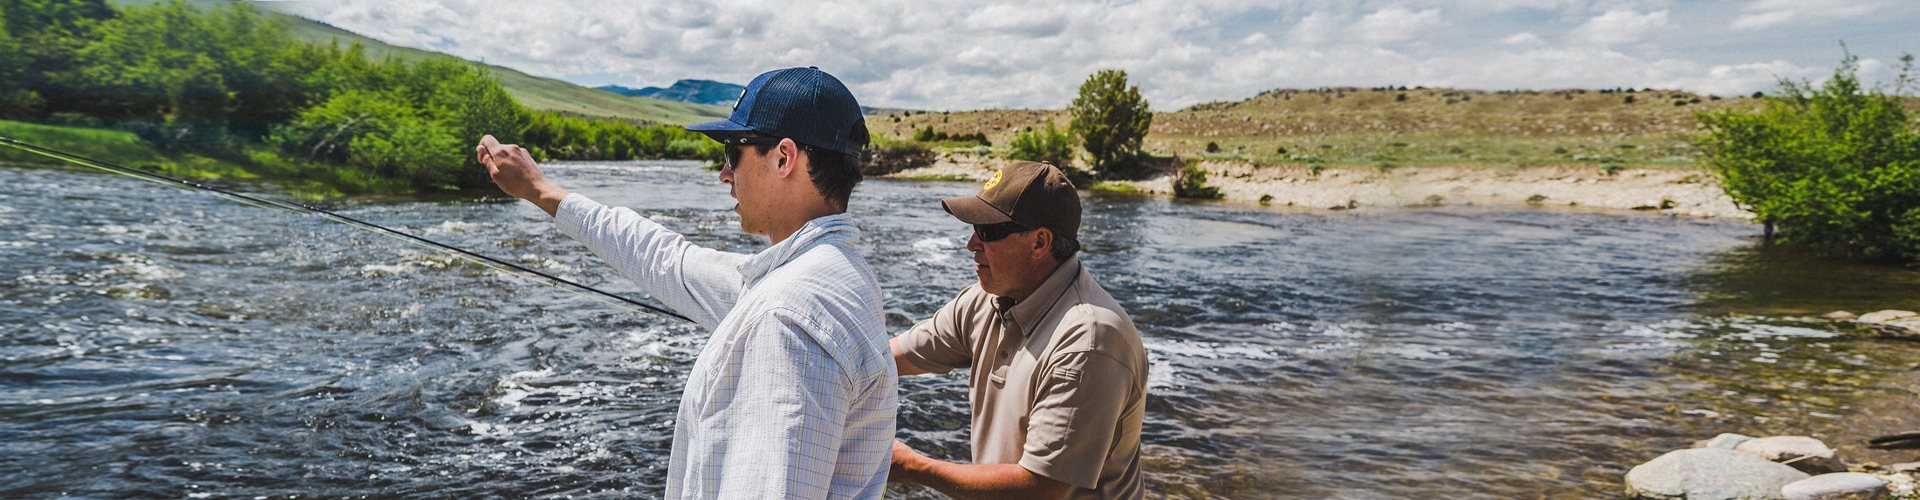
(143, 269)
(1407, 351)
(513, 387)
(375, 270)
(451, 227)
(935, 250)
(1208, 350)
(1161, 355)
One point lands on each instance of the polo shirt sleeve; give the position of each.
(1071, 429)
(941, 344)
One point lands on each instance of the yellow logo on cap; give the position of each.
(995, 181)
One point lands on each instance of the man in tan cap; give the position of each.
(1057, 376)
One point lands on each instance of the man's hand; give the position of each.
(515, 172)
(904, 458)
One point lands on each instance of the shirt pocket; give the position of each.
(998, 377)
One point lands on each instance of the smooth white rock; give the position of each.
(1836, 486)
(1801, 452)
(1885, 316)
(1709, 474)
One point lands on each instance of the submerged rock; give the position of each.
(1807, 454)
(1709, 473)
(1885, 316)
(1836, 486)
(1892, 323)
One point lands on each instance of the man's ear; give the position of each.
(789, 157)
(1042, 243)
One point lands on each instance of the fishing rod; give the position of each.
(496, 264)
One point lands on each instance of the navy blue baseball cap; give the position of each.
(804, 104)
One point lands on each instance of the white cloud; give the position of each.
(1770, 13)
(1314, 29)
(1620, 26)
(996, 53)
(1523, 38)
(1394, 24)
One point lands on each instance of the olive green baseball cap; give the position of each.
(1030, 193)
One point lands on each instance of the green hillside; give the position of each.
(535, 92)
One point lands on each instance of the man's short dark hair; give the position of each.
(833, 174)
(1064, 247)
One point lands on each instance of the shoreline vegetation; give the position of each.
(231, 91)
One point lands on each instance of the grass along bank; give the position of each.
(117, 146)
(308, 182)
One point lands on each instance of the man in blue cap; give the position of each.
(794, 394)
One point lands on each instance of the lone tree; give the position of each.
(1111, 118)
(1834, 166)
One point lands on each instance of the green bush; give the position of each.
(884, 157)
(1048, 144)
(930, 135)
(1191, 182)
(1111, 119)
(1834, 166)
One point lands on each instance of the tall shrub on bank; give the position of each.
(1835, 165)
(1111, 119)
(1191, 182)
(1048, 144)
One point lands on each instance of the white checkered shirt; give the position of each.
(795, 392)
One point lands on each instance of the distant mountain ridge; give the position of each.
(694, 91)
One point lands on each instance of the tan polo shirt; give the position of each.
(1058, 381)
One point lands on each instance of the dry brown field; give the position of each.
(1357, 126)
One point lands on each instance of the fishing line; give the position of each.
(490, 262)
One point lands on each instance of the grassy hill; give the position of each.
(535, 92)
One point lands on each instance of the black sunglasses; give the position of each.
(997, 232)
(733, 145)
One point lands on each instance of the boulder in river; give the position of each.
(1709, 473)
(1801, 452)
(1892, 323)
(1836, 486)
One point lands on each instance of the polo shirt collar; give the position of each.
(829, 230)
(1028, 312)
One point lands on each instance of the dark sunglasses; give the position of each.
(997, 232)
(733, 145)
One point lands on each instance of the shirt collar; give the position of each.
(1027, 313)
(836, 229)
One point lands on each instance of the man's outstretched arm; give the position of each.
(971, 481)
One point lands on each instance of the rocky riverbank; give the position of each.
(1679, 190)
(1733, 466)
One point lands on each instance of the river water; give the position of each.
(167, 343)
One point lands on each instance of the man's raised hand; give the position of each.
(513, 169)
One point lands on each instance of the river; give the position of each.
(167, 343)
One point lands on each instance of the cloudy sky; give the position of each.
(960, 55)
